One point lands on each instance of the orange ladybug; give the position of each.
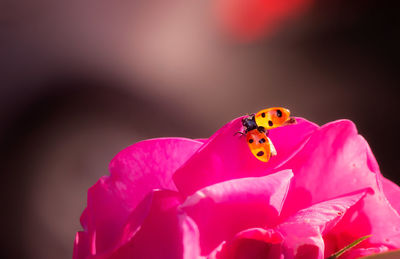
(273, 117)
(257, 127)
(260, 145)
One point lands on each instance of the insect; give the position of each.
(260, 145)
(273, 118)
(257, 128)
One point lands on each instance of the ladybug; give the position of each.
(273, 118)
(257, 128)
(260, 145)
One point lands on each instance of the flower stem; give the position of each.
(348, 247)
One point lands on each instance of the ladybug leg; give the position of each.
(239, 132)
(263, 130)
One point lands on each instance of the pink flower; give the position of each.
(210, 198)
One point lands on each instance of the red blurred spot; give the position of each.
(250, 19)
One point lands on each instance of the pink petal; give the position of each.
(252, 244)
(308, 251)
(392, 193)
(138, 216)
(369, 217)
(289, 140)
(359, 252)
(190, 238)
(226, 156)
(82, 246)
(165, 233)
(303, 231)
(150, 164)
(223, 209)
(336, 161)
(325, 215)
(135, 171)
(202, 140)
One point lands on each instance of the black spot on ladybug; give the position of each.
(263, 114)
(251, 140)
(279, 113)
(270, 123)
(262, 140)
(260, 153)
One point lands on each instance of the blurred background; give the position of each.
(81, 80)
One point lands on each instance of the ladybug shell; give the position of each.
(272, 117)
(260, 145)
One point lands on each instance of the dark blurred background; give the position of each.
(81, 80)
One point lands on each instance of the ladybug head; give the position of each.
(249, 123)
